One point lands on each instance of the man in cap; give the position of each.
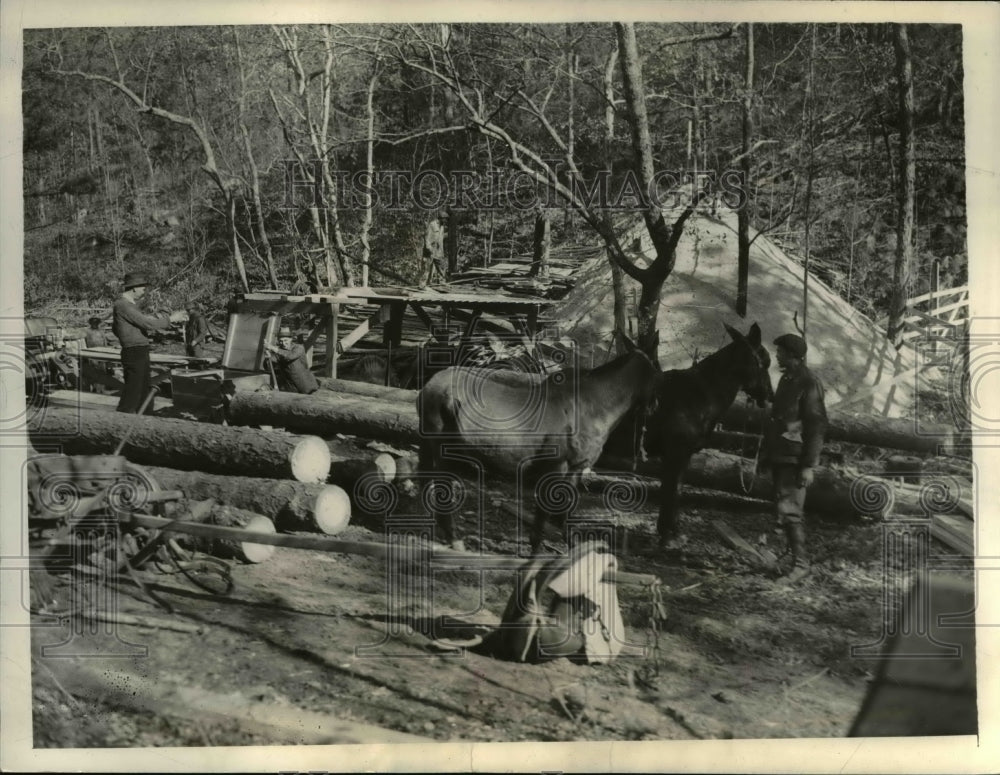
(793, 439)
(195, 331)
(131, 326)
(290, 358)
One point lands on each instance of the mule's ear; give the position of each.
(630, 346)
(753, 336)
(736, 335)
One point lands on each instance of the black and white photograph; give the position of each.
(494, 388)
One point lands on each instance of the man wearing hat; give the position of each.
(131, 326)
(195, 331)
(290, 358)
(793, 440)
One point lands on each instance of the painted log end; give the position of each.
(310, 460)
(332, 511)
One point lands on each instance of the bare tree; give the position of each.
(429, 57)
(906, 187)
(227, 184)
(743, 216)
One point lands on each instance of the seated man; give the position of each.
(290, 359)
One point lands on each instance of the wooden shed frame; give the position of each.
(389, 306)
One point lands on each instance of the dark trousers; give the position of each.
(789, 498)
(138, 383)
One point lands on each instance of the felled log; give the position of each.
(382, 392)
(423, 554)
(859, 429)
(833, 493)
(317, 508)
(326, 414)
(245, 551)
(186, 445)
(349, 465)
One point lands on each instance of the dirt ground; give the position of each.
(303, 649)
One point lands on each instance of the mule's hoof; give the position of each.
(458, 545)
(675, 544)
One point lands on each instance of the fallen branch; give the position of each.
(138, 621)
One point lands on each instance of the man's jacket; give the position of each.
(797, 423)
(132, 326)
(293, 363)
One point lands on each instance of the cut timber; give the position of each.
(402, 395)
(859, 429)
(326, 414)
(229, 516)
(349, 465)
(187, 445)
(833, 493)
(317, 508)
(420, 553)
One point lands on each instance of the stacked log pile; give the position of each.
(390, 413)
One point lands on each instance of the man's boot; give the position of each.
(796, 534)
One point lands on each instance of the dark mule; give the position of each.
(689, 405)
(542, 431)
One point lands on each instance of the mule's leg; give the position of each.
(668, 526)
(556, 494)
(430, 462)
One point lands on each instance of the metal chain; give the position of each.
(747, 489)
(657, 613)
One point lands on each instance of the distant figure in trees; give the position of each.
(433, 252)
(793, 439)
(195, 331)
(132, 327)
(290, 359)
(96, 336)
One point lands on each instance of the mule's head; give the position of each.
(752, 364)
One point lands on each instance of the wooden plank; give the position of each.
(438, 556)
(954, 532)
(333, 345)
(937, 294)
(72, 399)
(736, 541)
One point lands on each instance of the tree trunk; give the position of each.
(743, 216)
(349, 465)
(227, 548)
(809, 109)
(252, 164)
(322, 508)
(906, 190)
(326, 414)
(187, 445)
(400, 395)
(869, 430)
(542, 246)
(833, 493)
